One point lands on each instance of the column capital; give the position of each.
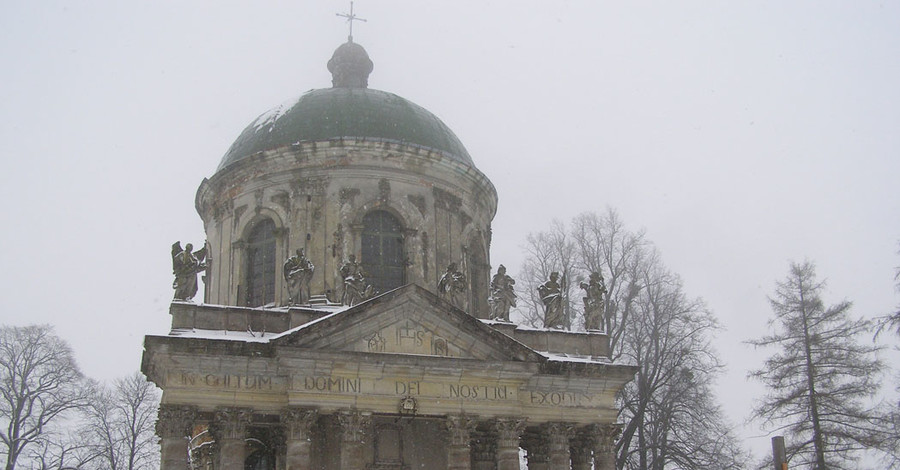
(558, 434)
(355, 424)
(297, 422)
(508, 431)
(460, 428)
(175, 420)
(604, 436)
(231, 423)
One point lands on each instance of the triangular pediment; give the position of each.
(409, 320)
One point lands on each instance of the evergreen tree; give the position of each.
(820, 379)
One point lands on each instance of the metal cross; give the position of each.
(350, 19)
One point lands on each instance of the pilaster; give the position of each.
(356, 430)
(459, 455)
(173, 426)
(484, 450)
(229, 428)
(297, 424)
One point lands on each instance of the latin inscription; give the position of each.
(242, 382)
(476, 392)
(332, 384)
(401, 388)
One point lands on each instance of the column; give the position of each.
(484, 447)
(537, 449)
(355, 436)
(557, 435)
(580, 447)
(459, 455)
(229, 427)
(508, 430)
(604, 439)
(173, 426)
(297, 424)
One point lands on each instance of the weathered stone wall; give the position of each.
(317, 195)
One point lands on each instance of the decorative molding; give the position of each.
(445, 200)
(348, 195)
(283, 199)
(384, 190)
(408, 406)
(604, 437)
(175, 421)
(231, 423)
(298, 422)
(258, 200)
(418, 201)
(238, 212)
(424, 239)
(464, 219)
(509, 430)
(355, 425)
(460, 428)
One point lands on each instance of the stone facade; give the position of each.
(317, 195)
(404, 380)
(439, 387)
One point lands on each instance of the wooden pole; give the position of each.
(779, 457)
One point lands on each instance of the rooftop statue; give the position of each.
(186, 264)
(297, 273)
(595, 289)
(356, 288)
(503, 295)
(452, 286)
(551, 296)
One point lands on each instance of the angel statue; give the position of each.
(298, 271)
(186, 264)
(551, 296)
(452, 285)
(503, 294)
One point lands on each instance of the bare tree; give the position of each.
(820, 379)
(670, 412)
(606, 246)
(671, 415)
(62, 449)
(891, 320)
(547, 252)
(39, 384)
(121, 422)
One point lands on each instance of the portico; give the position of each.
(404, 380)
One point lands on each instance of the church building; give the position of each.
(346, 320)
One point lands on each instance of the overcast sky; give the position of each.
(740, 136)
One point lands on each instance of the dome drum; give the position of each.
(317, 194)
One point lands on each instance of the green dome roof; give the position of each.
(334, 113)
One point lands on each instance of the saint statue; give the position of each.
(594, 291)
(297, 273)
(503, 295)
(452, 286)
(186, 264)
(551, 297)
(356, 289)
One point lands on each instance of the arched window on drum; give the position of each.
(383, 256)
(260, 273)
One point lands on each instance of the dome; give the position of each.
(335, 113)
(348, 110)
